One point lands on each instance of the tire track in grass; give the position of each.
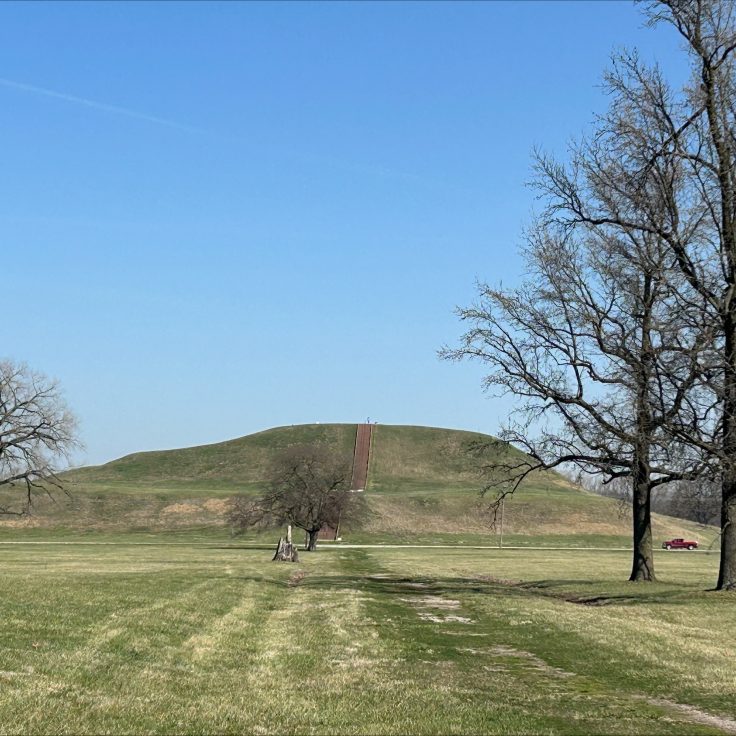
(280, 662)
(131, 659)
(310, 649)
(99, 671)
(132, 670)
(224, 691)
(693, 715)
(73, 688)
(615, 606)
(539, 618)
(343, 651)
(206, 644)
(176, 682)
(442, 693)
(532, 694)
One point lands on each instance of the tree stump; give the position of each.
(286, 551)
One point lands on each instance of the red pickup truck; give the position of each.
(680, 544)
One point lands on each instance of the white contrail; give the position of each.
(96, 105)
(373, 170)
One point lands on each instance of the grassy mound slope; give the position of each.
(422, 487)
(232, 465)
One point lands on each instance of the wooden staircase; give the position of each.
(361, 457)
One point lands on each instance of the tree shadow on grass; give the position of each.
(422, 586)
(588, 593)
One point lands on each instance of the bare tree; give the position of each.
(695, 500)
(600, 361)
(679, 147)
(698, 500)
(702, 135)
(308, 487)
(37, 433)
(618, 489)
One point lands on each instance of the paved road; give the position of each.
(246, 545)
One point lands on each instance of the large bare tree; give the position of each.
(679, 149)
(308, 487)
(662, 164)
(701, 128)
(599, 359)
(37, 434)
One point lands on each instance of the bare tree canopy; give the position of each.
(695, 500)
(695, 129)
(37, 433)
(308, 487)
(679, 147)
(622, 345)
(599, 360)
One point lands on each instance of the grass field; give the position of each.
(127, 607)
(214, 638)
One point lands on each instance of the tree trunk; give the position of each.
(642, 568)
(727, 571)
(285, 550)
(312, 543)
(712, 81)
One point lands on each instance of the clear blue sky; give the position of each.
(218, 218)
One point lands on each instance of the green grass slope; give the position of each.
(422, 458)
(423, 487)
(228, 465)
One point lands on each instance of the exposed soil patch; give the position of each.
(296, 578)
(216, 505)
(694, 715)
(180, 508)
(536, 662)
(505, 651)
(433, 601)
(447, 619)
(466, 633)
(440, 603)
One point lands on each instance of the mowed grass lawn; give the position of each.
(206, 639)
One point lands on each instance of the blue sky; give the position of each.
(218, 218)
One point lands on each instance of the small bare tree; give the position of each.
(37, 433)
(308, 487)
